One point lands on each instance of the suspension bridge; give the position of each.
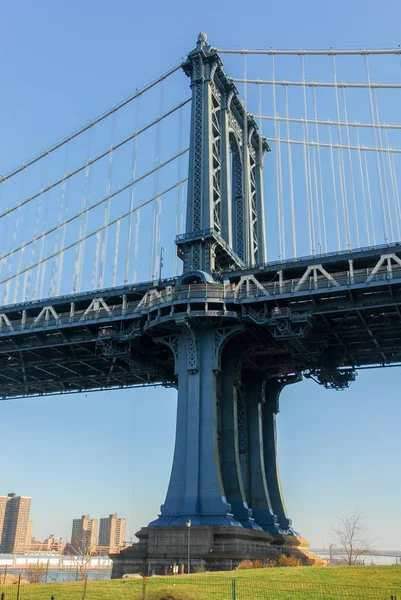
(227, 242)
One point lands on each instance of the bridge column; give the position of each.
(270, 408)
(230, 457)
(258, 496)
(196, 487)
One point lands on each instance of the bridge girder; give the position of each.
(335, 317)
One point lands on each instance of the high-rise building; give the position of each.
(29, 534)
(84, 534)
(3, 504)
(14, 517)
(112, 532)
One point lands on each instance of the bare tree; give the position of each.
(83, 550)
(350, 534)
(35, 572)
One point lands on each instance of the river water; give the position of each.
(56, 576)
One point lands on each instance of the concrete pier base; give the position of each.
(211, 549)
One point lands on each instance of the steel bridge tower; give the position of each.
(225, 476)
(229, 333)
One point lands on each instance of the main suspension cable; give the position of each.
(329, 52)
(335, 123)
(87, 209)
(97, 158)
(88, 125)
(326, 84)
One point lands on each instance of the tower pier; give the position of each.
(224, 477)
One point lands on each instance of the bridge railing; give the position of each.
(321, 282)
(318, 257)
(219, 293)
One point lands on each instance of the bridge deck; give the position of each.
(307, 315)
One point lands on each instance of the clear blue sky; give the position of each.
(61, 64)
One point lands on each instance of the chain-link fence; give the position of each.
(202, 587)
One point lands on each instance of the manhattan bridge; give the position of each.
(226, 230)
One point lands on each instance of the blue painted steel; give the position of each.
(259, 497)
(228, 307)
(196, 488)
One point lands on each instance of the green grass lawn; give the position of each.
(296, 583)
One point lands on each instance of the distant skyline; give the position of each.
(111, 451)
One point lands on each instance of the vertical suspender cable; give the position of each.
(4, 261)
(178, 201)
(57, 242)
(40, 273)
(137, 217)
(96, 259)
(317, 194)
(260, 108)
(248, 248)
(155, 240)
(280, 215)
(351, 169)
(80, 249)
(117, 244)
(379, 174)
(55, 262)
(103, 253)
(11, 233)
(62, 254)
(372, 220)
(365, 207)
(333, 174)
(311, 226)
(290, 177)
(21, 253)
(28, 279)
(322, 209)
(318, 235)
(394, 184)
(341, 164)
(382, 160)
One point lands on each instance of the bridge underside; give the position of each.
(320, 325)
(229, 345)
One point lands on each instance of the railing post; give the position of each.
(143, 588)
(18, 586)
(233, 590)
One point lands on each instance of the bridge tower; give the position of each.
(224, 478)
(225, 224)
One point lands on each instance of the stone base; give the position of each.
(211, 549)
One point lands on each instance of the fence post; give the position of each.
(233, 590)
(85, 584)
(143, 588)
(3, 595)
(19, 586)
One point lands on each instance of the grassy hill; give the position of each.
(296, 583)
